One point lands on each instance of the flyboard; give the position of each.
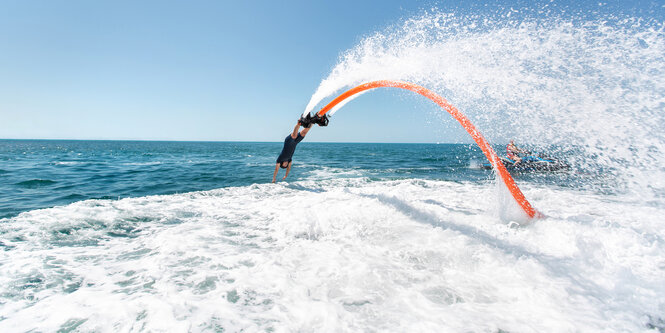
(321, 119)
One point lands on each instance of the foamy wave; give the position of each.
(68, 162)
(334, 255)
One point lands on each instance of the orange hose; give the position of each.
(462, 119)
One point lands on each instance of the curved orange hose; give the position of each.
(462, 119)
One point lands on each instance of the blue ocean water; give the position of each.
(42, 173)
(192, 236)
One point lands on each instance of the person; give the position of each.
(290, 143)
(514, 152)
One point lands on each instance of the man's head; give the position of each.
(284, 165)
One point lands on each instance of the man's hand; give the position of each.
(284, 178)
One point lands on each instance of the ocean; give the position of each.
(41, 173)
(192, 236)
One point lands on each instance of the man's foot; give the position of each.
(320, 120)
(307, 121)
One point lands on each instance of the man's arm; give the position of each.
(288, 168)
(294, 135)
(275, 173)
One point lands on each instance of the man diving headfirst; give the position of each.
(290, 143)
(292, 140)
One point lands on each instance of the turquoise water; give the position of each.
(192, 236)
(38, 174)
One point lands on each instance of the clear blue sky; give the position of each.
(191, 70)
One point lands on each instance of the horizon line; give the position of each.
(222, 141)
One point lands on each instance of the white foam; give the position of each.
(67, 162)
(335, 255)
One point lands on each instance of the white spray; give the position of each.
(589, 86)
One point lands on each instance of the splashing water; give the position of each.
(591, 89)
(352, 242)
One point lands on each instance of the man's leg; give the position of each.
(288, 169)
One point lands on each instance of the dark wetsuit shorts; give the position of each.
(289, 148)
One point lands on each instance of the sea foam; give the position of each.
(334, 255)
